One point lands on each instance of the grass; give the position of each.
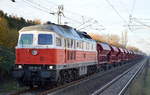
(10, 86)
(146, 86)
(141, 85)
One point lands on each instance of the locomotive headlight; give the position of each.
(50, 67)
(34, 52)
(19, 66)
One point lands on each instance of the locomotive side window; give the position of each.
(58, 41)
(26, 39)
(87, 46)
(82, 44)
(77, 44)
(45, 39)
(68, 43)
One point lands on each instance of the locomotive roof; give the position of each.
(63, 30)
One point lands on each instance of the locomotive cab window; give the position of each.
(26, 39)
(45, 39)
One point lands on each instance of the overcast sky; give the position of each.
(105, 12)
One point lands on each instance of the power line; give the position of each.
(133, 7)
(68, 11)
(73, 13)
(138, 21)
(116, 11)
(37, 4)
(84, 23)
(37, 7)
(139, 25)
(124, 5)
(46, 10)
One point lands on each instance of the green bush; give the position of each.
(9, 27)
(7, 58)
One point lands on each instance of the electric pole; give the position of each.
(60, 13)
(124, 38)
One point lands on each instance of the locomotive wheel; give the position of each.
(71, 75)
(59, 81)
(67, 76)
(75, 75)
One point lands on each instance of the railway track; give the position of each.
(28, 90)
(59, 90)
(119, 85)
(46, 90)
(77, 87)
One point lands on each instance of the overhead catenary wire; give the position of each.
(138, 24)
(36, 7)
(47, 10)
(116, 11)
(84, 23)
(133, 7)
(124, 39)
(40, 6)
(130, 16)
(44, 9)
(138, 21)
(89, 19)
(124, 6)
(68, 11)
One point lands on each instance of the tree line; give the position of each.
(112, 40)
(9, 27)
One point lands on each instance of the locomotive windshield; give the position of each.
(45, 39)
(26, 39)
